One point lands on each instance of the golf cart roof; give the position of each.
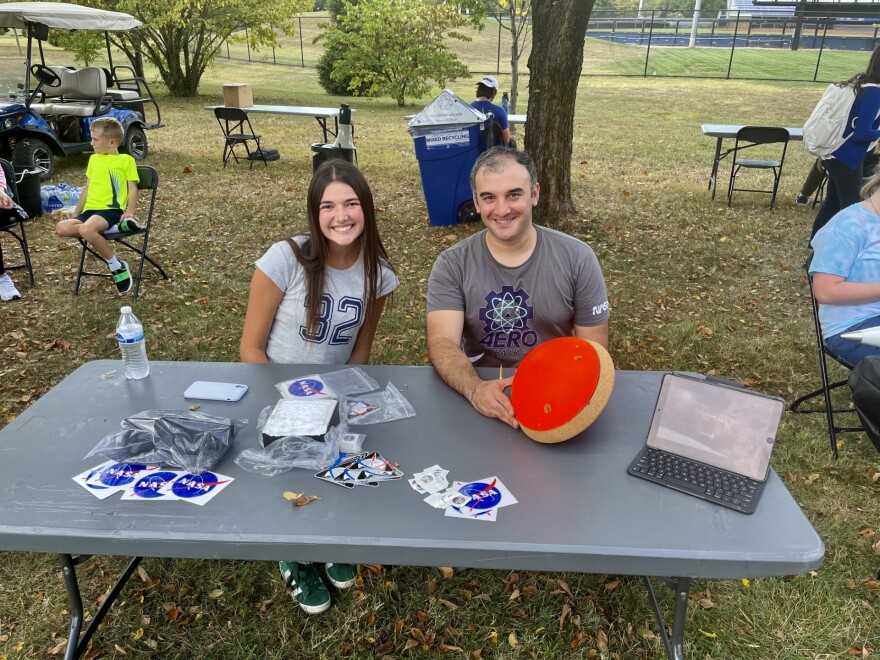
(64, 16)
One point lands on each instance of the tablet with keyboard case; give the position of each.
(711, 440)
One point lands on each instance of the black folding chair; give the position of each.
(149, 180)
(834, 428)
(238, 131)
(12, 222)
(749, 137)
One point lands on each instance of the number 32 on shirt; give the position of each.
(338, 334)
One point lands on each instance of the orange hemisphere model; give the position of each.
(561, 387)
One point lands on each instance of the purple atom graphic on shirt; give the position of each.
(506, 311)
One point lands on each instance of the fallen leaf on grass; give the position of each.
(449, 648)
(58, 650)
(706, 603)
(863, 651)
(120, 650)
(745, 582)
(611, 586)
(142, 574)
(511, 639)
(448, 604)
(299, 499)
(214, 593)
(564, 586)
(710, 635)
(566, 612)
(139, 633)
(644, 633)
(447, 571)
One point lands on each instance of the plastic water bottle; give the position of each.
(505, 101)
(130, 335)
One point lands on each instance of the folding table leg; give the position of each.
(714, 176)
(674, 644)
(76, 644)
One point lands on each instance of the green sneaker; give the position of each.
(341, 576)
(130, 225)
(306, 586)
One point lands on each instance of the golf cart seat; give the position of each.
(82, 93)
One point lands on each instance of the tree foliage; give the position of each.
(394, 47)
(85, 46)
(182, 37)
(332, 53)
(515, 17)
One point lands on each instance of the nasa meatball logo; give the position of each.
(149, 487)
(482, 496)
(195, 485)
(306, 387)
(119, 474)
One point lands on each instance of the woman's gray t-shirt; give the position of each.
(343, 310)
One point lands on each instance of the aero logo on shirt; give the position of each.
(506, 319)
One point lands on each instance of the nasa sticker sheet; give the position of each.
(111, 477)
(150, 483)
(485, 497)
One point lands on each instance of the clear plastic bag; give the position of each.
(375, 407)
(349, 443)
(332, 385)
(192, 440)
(286, 418)
(288, 453)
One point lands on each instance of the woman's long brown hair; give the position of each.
(313, 253)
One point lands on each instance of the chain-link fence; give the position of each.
(654, 43)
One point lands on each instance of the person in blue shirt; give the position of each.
(845, 165)
(487, 90)
(846, 275)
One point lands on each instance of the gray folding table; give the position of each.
(321, 115)
(578, 509)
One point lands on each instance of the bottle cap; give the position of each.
(126, 309)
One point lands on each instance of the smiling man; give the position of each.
(496, 295)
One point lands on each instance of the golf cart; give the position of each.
(52, 110)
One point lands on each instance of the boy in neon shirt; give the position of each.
(109, 198)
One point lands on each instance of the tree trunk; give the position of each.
(558, 30)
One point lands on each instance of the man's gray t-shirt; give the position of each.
(343, 311)
(509, 311)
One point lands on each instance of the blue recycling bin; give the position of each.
(446, 155)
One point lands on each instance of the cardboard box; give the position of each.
(238, 95)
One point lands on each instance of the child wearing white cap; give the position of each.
(487, 89)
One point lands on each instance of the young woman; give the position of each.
(844, 166)
(317, 299)
(846, 274)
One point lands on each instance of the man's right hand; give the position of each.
(489, 399)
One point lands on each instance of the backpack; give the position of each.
(864, 381)
(823, 132)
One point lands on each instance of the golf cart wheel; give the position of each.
(34, 154)
(135, 143)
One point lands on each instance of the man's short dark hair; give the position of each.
(497, 158)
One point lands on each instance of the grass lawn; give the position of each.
(693, 286)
